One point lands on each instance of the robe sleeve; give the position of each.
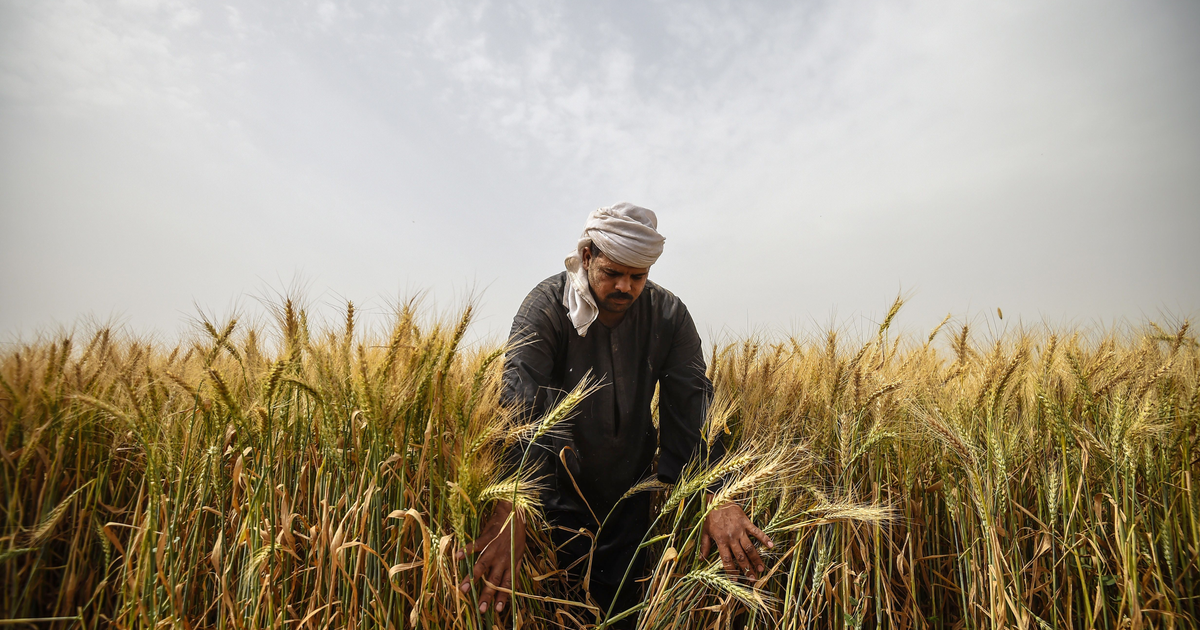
(528, 373)
(684, 394)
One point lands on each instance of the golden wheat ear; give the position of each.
(320, 476)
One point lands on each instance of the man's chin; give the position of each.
(616, 306)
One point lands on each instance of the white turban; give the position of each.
(628, 235)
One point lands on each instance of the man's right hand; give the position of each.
(497, 546)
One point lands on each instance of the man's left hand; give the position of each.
(729, 527)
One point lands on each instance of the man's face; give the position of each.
(614, 285)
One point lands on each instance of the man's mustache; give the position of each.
(618, 295)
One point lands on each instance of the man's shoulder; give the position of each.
(544, 302)
(665, 303)
(551, 289)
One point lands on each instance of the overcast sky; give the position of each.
(807, 160)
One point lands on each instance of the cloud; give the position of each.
(799, 155)
(76, 58)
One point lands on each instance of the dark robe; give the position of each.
(611, 440)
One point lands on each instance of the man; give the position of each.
(602, 316)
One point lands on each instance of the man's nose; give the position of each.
(624, 284)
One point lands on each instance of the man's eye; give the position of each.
(610, 273)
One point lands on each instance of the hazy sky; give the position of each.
(807, 161)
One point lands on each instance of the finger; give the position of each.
(726, 557)
(485, 597)
(752, 556)
(478, 571)
(489, 592)
(481, 568)
(705, 545)
(501, 596)
(761, 536)
(739, 555)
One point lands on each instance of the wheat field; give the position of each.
(310, 476)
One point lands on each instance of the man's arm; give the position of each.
(684, 396)
(528, 369)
